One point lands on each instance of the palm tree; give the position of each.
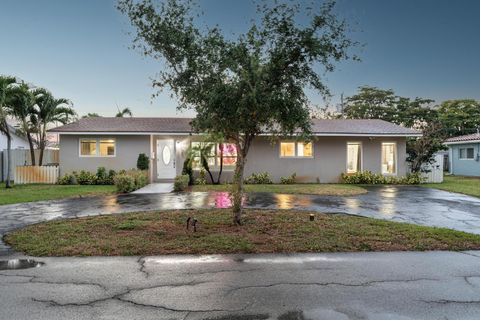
(49, 110)
(91, 115)
(23, 107)
(124, 112)
(6, 85)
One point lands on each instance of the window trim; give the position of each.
(296, 156)
(466, 153)
(97, 147)
(396, 158)
(361, 156)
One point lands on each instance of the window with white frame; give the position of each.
(289, 149)
(389, 158)
(216, 154)
(97, 147)
(466, 153)
(354, 157)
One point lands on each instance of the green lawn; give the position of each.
(263, 231)
(37, 192)
(460, 184)
(318, 189)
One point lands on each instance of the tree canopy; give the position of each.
(242, 86)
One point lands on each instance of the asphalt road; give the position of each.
(430, 285)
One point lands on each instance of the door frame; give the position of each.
(159, 157)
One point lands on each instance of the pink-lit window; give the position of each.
(219, 151)
(229, 154)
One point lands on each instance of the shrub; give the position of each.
(128, 181)
(289, 180)
(111, 175)
(103, 177)
(142, 162)
(259, 178)
(67, 179)
(124, 182)
(181, 183)
(368, 177)
(201, 180)
(140, 177)
(188, 170)
(86, 178)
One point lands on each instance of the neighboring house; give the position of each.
(18, 141)
(464, 155)
(338, 146)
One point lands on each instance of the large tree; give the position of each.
(460, 116)
(241, 86)
(376, 103)
(49, 110)
(6, 86)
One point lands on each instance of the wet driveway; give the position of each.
(411, 204)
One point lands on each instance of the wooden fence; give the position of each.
(21, 157)
(36, 174)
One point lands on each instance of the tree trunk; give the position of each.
(9, 159)
(221, 163)
(42, 144)
(237, 192)
(32, 149)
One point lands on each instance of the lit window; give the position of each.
(97, 147)
(389, 158)
(227, 151)
(214, 154)
(296, 149)
(466, 153)
(287, 149)
(354, 157)
(107, 147)
(305, 149)
(88, 147)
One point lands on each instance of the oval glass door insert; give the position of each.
(166, 155)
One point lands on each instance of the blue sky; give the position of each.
(79, 49)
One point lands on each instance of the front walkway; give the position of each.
(377, 286)
(413, 204)
(160, 187)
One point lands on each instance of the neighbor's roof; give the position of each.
(330, 127)
(469, 138)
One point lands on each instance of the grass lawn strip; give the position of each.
(37, 192)
(264, 231)
(317, 189)
(466, 185)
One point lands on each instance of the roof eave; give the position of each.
(317, 134)
(462, 142)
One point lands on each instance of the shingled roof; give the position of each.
(327, 127)
(466, 138)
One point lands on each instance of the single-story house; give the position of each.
(464, 154)
(338, 146)
(19, 141)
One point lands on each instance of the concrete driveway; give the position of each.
(377, 286)
(411, 204)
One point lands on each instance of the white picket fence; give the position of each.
(21, 157)
(36, 174)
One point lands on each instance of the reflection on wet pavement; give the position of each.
(411, 204)
(15, 264)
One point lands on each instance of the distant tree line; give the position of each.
(436, 121)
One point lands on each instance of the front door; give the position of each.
(166, 159)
